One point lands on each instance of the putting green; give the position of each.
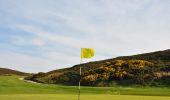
(83, 97)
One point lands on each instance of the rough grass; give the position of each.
(11, 88)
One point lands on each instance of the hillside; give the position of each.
(5, 71)
(161, 56)
(157, 58)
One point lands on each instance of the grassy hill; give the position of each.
(158, 58)
(5, 71)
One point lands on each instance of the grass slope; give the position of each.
(6, 71)
(11, 88)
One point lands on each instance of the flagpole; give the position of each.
(79, 81)
(85, 53)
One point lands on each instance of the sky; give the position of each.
(43, 35)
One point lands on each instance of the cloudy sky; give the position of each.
(42, 35)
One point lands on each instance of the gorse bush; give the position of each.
(138, 71)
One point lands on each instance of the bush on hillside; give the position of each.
(138, 71)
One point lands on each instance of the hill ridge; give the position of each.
(7, 71)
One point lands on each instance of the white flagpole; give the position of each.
(80, 80)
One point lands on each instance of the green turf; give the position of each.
(83, 97)
(11, 88)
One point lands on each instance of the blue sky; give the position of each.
(42, 35)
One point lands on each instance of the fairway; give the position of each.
(11, 88)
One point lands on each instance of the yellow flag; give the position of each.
(87, 52)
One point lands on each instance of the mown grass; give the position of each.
(11, 88)
(83, 97)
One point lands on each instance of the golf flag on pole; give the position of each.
(87, 52)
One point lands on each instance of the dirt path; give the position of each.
(28, 81)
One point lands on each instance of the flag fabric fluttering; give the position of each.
(87, 52)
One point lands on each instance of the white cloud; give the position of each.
(113, 27)
(25, 62)
(30, 63)
(18, 40)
